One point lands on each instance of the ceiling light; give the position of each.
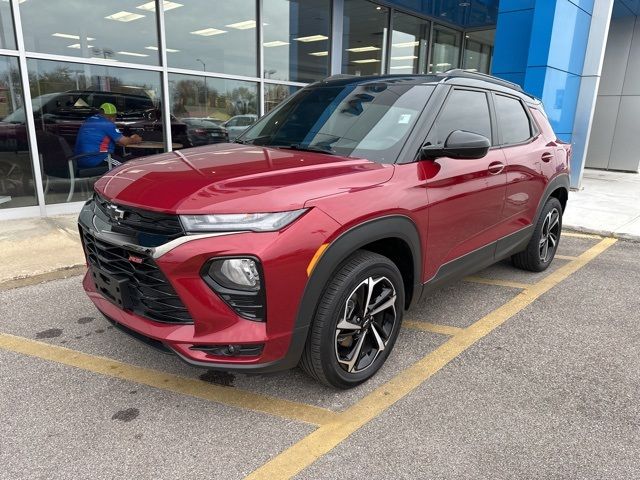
(277, 43)
(370, 48)
(311, 38)
(208, 32)
(443, 64)
(68, 35)
(246, 25)
(151, 6)
(367, 60)
(319, 54)
(124, 16)
(133, 54)
(169, 50)
(406, 44)
(77, 45)
(401, 67)
(404, 57)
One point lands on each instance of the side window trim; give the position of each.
(492, 117)
(534, 131)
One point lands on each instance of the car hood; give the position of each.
(234, 178)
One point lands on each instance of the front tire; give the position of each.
(544, 242)
(356, 323)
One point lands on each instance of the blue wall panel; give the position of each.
(512, 41)
(543, 49)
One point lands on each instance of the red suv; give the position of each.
(305, 240)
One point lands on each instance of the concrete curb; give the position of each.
(603, 233)
(57, 274)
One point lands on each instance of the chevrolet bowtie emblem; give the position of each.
(115, 213)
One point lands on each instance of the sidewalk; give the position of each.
(608, 204)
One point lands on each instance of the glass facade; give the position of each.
(409, 44)
(180, 73)
(365, 30)
(64, 95)
(123, 31)
(296, 39)
(445, 49)
(217, 37)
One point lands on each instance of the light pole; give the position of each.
(206, 93)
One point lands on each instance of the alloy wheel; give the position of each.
(366, 324)
(549, 235)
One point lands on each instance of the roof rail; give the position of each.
(460, 73)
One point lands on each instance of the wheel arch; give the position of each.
(558, 187)
(394, 235)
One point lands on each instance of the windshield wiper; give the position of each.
(308, 148)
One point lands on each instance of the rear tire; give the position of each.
(545, 239)
(356, 323)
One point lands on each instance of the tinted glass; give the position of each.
(124, 31)
(215, 36)
(275, 94)
(211, 99)
(7, 37)
(409, 44)
(478, 50)
(65, 95)
(364, 121)
(17, 188)
(445, 51)
(296, 39)
(464, 110)
(514, 122)
(365, 31)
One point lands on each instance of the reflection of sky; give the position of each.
(86, 19)
(233, 51)
(6, 26)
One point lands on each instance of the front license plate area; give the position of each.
(113, 288)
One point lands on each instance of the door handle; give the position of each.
(496, 168)
(547, 157)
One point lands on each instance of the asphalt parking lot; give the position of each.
(506, 374)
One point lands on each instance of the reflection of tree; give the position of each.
(189, 97)
(274, 94)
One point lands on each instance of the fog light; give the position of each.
(236, 273)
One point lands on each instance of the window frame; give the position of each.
(492, 114)
(534, 131)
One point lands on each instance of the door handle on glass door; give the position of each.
(495, 168)
(547, 157)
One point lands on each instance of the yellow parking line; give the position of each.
(302, 454)
(565, 257)
(431, 327)
(187, 386)
(581, 235)
(497, 282)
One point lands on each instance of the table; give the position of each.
(153, 145)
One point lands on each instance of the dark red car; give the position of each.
(305, 241)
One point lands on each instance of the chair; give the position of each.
(57, 160)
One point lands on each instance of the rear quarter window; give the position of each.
(513, 120)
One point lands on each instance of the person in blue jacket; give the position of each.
(99, 133)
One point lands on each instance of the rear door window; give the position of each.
(515, 126)
(463, 110)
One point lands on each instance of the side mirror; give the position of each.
(459, 144)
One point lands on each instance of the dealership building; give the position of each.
(173, 67)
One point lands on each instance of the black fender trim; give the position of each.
(393, 226)
(560, 181)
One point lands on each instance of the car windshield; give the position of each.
(370, 120)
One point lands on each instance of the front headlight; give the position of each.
(255, 222)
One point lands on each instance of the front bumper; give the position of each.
(214, 322)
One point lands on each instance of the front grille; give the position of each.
(136, 222)
(150, 293)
